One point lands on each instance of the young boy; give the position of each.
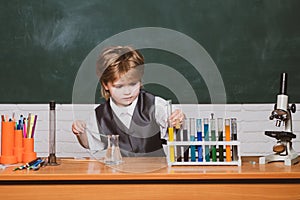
(138, 117)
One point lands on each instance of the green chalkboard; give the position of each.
(251, 42)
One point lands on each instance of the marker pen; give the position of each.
(28, 125)
(34, 125)
(25, 166)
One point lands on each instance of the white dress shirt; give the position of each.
(125, 115)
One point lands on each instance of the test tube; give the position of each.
(192, 138)
(199, 138)
(181, 147)
(178, 147)
(220, 138)
(234, 137)
(178, 136)
(206, 138)
(227, 138)
(213, 138)
(170, 131)
(52, 133)
(185, 138)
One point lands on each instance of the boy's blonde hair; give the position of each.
(116, 61)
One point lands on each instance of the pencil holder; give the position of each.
(7, 143)
(18, 147)
(28, 154)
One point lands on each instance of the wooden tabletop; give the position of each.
(151, 178)
(151, 169)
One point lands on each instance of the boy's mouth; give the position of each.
(127, 98)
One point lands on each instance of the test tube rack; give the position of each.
(187, 144)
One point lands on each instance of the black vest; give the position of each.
(143, 136)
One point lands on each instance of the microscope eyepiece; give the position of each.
(283, 84)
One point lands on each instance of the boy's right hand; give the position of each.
(78, 127)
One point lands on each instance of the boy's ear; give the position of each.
(104, 86)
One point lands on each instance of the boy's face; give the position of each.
(126, 89)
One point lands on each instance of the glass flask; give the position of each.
(113, 154)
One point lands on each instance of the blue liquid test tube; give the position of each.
(206, 138)
(192, 138)
(199, 138)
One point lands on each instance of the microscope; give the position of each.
(282, 114)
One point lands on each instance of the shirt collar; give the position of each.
(123, 110)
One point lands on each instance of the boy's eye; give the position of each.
(133, 84)
(118, 86)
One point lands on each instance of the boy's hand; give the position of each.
(78, 127)
(177, 118)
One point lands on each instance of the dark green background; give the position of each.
(43, 44)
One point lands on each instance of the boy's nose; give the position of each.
(127, 90)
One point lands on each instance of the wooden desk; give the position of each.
(85, 180)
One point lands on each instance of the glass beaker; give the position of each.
(113, 154)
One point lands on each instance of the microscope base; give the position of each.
(289, 160)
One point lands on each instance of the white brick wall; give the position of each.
(253, 120)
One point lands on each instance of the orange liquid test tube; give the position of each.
(7, 143)
(227, 138)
